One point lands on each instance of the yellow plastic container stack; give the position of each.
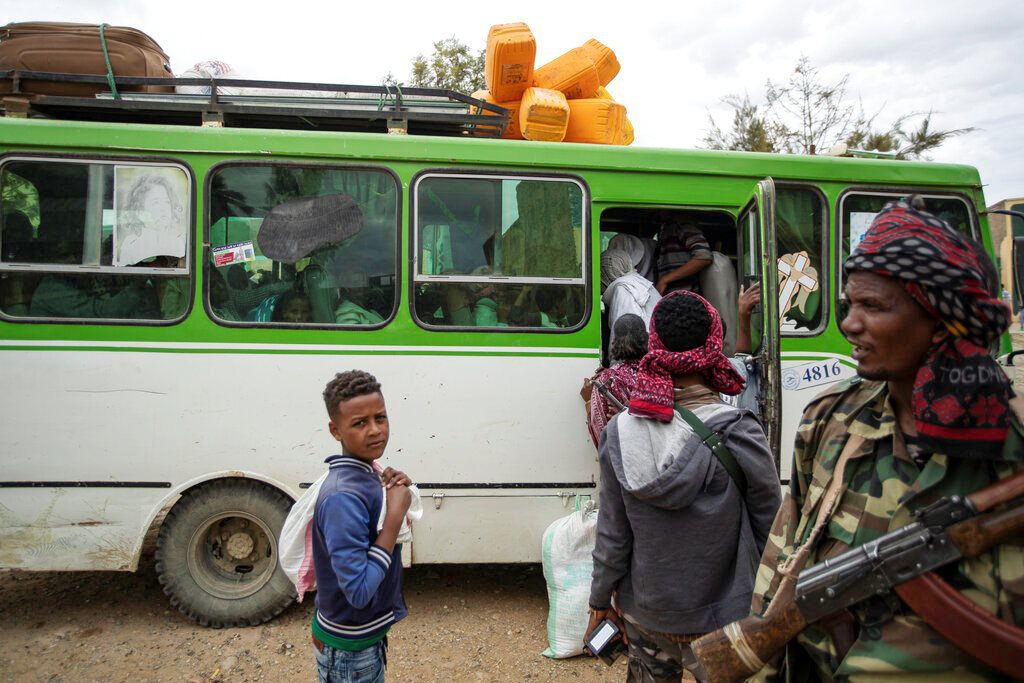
(574, 74)
(543, 115)
(563, 100)
(604, 59)
(595, 120)
(508, 65)
(512, 131)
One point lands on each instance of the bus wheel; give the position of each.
(216, 555)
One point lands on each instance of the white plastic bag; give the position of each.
(208, 69)
(718, 285)
(413, 514)
(295, 546)
(567, 554)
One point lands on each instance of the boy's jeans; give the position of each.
(343, 666)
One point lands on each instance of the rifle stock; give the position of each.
(743, 647)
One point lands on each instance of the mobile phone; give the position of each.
(605, 641)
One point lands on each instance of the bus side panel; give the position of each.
(158, 419)
(804, 376)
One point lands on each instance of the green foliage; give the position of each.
(805, 115)
(750, 131)
(20, 195)
(452, 65)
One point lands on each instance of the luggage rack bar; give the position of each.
(274, 104)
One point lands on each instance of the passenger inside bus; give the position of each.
(61, 295)
(293, 307)
(642, 252)
(350, 312)
(623, 290)
(220, 298)
(552, 305)
(683, 251)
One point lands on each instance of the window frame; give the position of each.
(41, 268)
(895, 192)
(415, 278)
(824, 278)
(208, 247)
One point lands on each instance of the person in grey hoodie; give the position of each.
(677, 543)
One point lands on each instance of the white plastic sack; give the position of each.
(295, 546)
(208, 69)
(718, 285)
(567, 554)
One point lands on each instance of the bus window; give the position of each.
(858, 209)
(94, 240)
(292, 245)
(499, 253)
(801, 223)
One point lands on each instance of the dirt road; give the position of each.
(466, 623)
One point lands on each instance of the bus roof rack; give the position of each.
(264, 104)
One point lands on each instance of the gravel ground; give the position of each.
(466, 623)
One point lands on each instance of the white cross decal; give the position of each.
(794, 277)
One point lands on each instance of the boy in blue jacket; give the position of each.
(358, 568)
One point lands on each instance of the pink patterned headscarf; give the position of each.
(653, 395)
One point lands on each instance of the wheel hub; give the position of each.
(240, 545)
(232, 555)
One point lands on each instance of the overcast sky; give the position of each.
(963, 60)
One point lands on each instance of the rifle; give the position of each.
(608, 395)
(901, 561)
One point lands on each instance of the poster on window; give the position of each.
(860, 221)
(150, 218)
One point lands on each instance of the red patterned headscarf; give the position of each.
(961, 395)
(653, 396)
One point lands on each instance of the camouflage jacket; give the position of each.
(883, 488)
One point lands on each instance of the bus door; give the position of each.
(758, 263)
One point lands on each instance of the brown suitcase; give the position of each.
(76, 48)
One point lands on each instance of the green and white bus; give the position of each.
(165, 338)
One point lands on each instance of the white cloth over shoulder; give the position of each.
(295, 544)
(630, 293)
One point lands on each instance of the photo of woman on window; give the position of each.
(150, 219)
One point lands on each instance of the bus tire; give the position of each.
(216, 554)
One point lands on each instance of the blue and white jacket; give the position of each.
(359, 584)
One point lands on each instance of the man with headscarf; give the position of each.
(677, 539)
(623, 290)
(927, 417)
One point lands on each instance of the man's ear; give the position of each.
(333, 430)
